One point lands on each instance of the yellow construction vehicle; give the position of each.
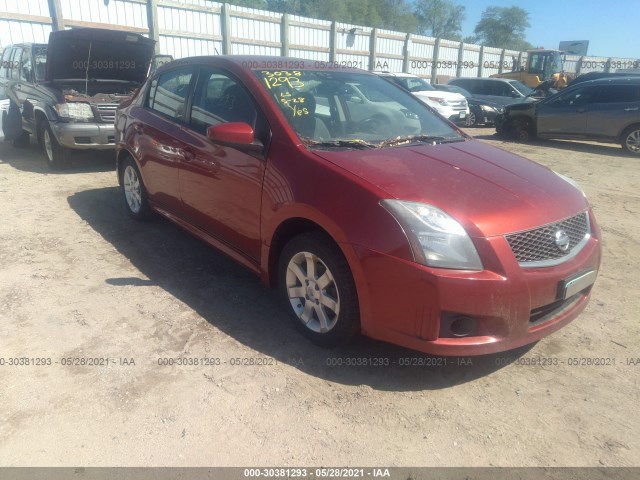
(543, 67)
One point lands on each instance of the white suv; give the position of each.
(452, 106)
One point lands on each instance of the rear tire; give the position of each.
(631, 140)
(56, 155)
(318, 291)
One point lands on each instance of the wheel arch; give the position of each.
(285, 231)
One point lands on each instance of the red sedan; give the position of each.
(369, 212)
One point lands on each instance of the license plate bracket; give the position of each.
(576, 283)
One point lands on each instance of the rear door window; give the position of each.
(617, 94)
(26, 66)
(168, 93)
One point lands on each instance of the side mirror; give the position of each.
(234, 134)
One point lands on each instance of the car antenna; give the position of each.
(86, 75)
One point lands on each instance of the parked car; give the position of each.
(427, 239)
(606, 110)
(66, 93)
(450, 105)
(598, 75)
(481, 112)
(500, 91)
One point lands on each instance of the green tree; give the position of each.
(440, 18)
(503, 27)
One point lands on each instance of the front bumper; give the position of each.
(94, 136)
(410, 305)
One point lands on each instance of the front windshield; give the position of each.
(522, 88)
(414, 84)
(348, 109)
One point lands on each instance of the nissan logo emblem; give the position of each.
(562, 240)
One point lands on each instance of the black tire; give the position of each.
(57, 157)
(329, 288)
(471, 120)
(23, 141)
(522, 131)
(133, 190)
(630, 140)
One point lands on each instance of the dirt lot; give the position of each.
(78, 279)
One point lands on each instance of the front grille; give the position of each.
(107, 112)
(538, 246)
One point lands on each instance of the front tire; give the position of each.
(631, 140)
(318, 291)
(133, 190)
(56, 155)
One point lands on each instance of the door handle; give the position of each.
(631, 109)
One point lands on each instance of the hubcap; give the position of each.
(471, 119)
(633, 141)
(48, 148)
(132, 189)
(313, 292)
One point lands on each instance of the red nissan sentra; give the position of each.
(369, 212)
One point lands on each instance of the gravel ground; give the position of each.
(80, 280)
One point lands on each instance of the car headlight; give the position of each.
(77, 111)
(437, 240)
(571, 182)
(488, 108)
(438, 100)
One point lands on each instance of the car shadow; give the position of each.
(608, 149)
(235, 301)
(30, 159)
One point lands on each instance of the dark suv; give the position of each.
(605, 110)
(66, 93)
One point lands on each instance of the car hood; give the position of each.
(449, 96)
(488, 190)
(97, 54)
(521, 107)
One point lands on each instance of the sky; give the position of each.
(611, 26)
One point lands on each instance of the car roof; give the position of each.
(618, 80)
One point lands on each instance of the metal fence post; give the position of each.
(284, 34)
(501, 66)
(373, 37)
(55, 12)
(519, 61)
(460, 60)
(434, 65)
(607, 65)
(406, 53)
(579, 66)
(152, 22)
(333, 42)
(480, 61)
(225, 27)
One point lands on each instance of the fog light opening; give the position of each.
(463, 326)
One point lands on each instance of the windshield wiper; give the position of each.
(359, 144)
(433, 139)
